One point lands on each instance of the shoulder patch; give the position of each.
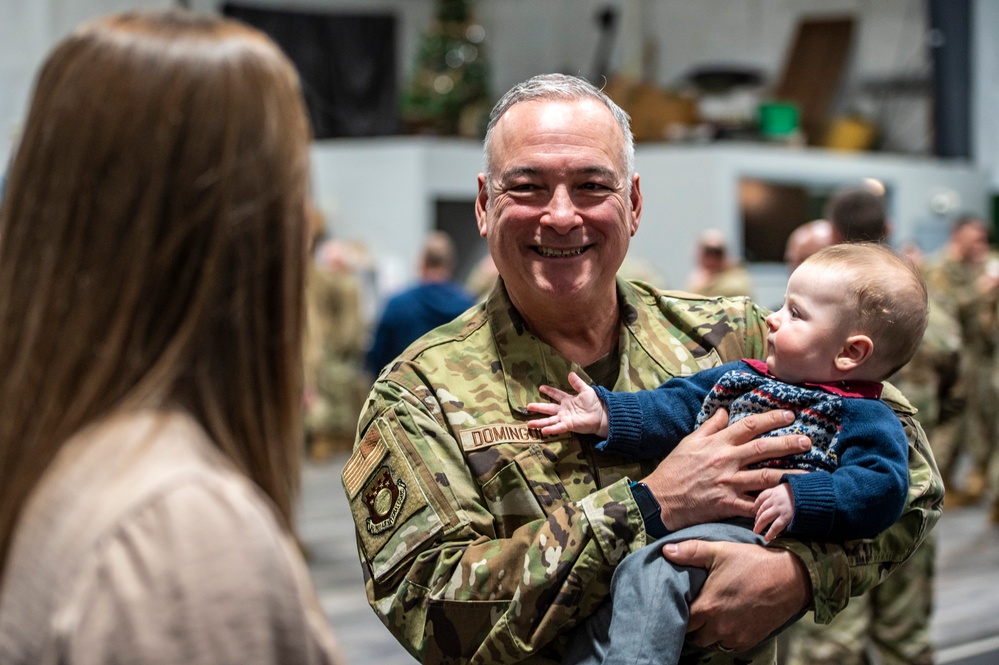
(384, 496)
(390, 508)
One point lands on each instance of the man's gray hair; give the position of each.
(559, 87)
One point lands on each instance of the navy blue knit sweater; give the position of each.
(859, 455)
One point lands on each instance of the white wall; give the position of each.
(985, 53)
(526, 37)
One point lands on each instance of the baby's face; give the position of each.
(810, 330)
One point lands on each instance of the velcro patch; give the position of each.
(363, 462)
(476, 438)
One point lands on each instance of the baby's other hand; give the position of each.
(774, 511)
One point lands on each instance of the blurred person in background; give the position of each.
(433, 301)
(336, 336)
(964, 277)
(858, 214)
(152, 248)
(805, 240)
(482, 279)
(716, 273)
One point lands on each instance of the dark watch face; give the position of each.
(646, 502)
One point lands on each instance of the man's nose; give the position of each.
(561, 213)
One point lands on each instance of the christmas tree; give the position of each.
(449, 91)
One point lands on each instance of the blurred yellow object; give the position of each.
(850, 133)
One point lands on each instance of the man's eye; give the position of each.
(593, 186)
(524, 187)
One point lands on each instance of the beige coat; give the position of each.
(143, 545)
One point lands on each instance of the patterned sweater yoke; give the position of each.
(818, 412)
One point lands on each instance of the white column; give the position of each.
(985, 88)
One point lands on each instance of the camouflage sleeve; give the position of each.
(841, 570)
(436, 572)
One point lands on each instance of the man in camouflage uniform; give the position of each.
(482, 541)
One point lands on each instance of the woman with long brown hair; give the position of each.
(152, 248)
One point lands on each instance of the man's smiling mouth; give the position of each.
(552, 253)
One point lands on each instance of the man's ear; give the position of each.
(636, 203)
(481, 202)
(855, 352)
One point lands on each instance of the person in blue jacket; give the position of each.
(853, 314)
(432, 302)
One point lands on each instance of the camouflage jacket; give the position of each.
(483, 542)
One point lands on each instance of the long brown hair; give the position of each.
(152, 246)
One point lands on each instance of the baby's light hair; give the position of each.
(888, 298)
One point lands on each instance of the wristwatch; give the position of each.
(650, 510)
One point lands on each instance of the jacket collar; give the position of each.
(527, 362)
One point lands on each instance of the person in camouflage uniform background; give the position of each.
(717, 274)
(336, 335)
(965, 279)
(482, 541)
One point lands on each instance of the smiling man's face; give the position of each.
(557, 212)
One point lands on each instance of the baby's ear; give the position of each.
(855, 352)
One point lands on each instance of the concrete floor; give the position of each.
(965, 622)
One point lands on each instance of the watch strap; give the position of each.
(650, 509)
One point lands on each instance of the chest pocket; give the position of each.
(525, 481)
